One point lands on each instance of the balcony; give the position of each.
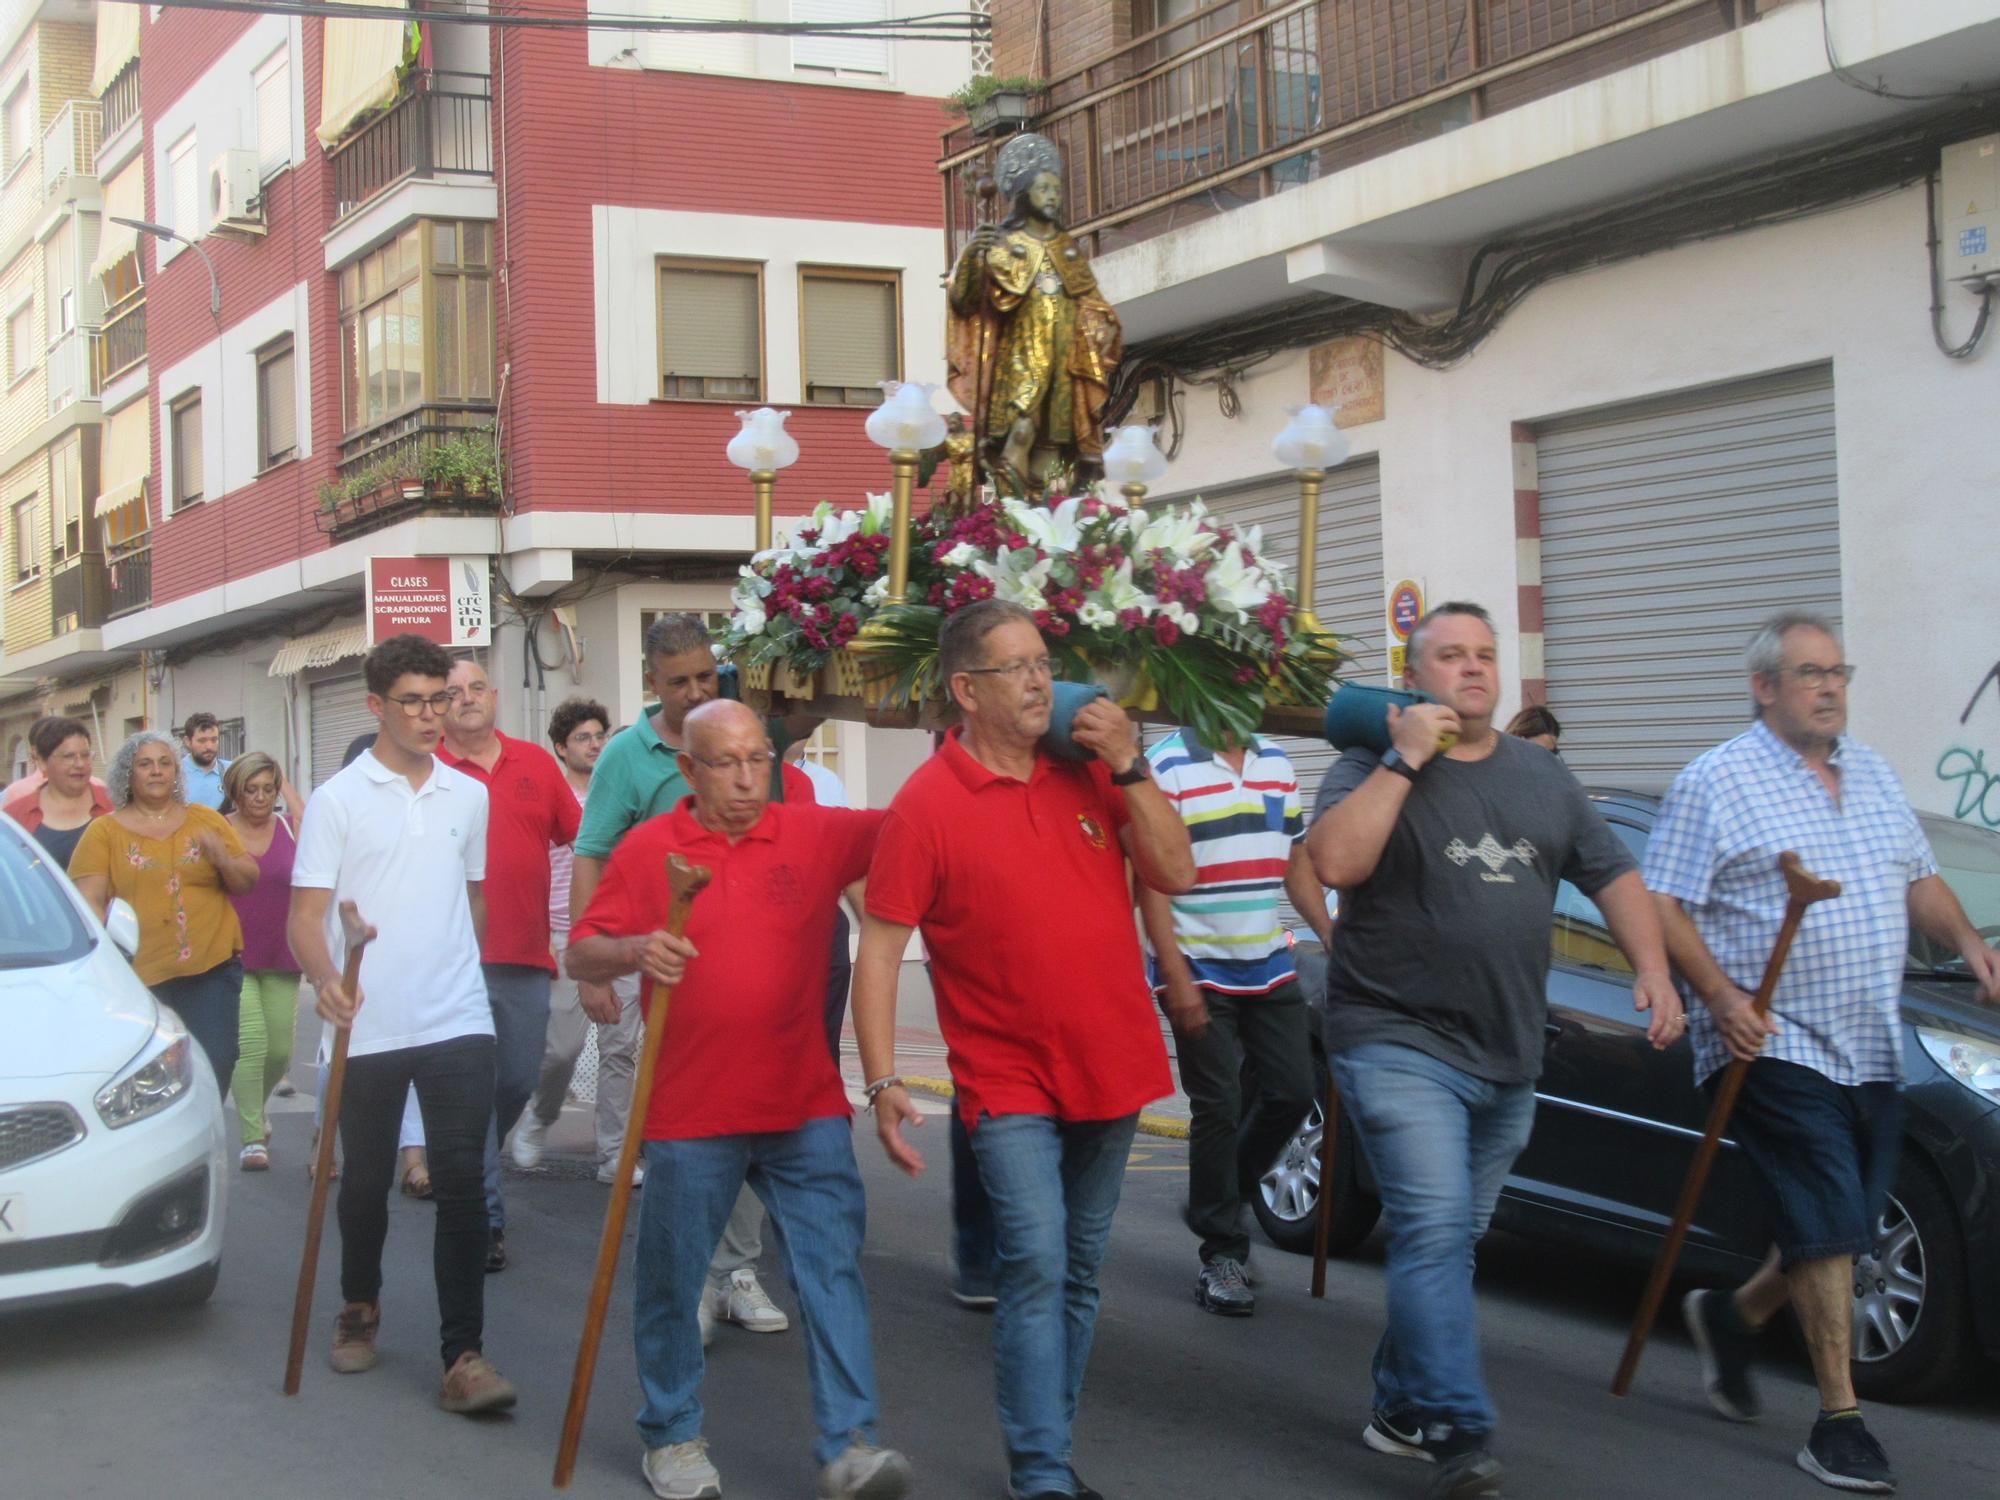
(77, 593)
(1216, 111)
(121, 99)
(69, 145)
(121, 343)
(381, 471)
(129, 575)
(442, 125)
(72, 368)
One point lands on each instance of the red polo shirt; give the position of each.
(529, 807)
(745, 1047)
(1019, 889)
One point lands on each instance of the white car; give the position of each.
(113, 1148)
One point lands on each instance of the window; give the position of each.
(59, 259)
(233, 739)
(21, 340)
(711, 330)
(277, 404)
(852, 339)
(387, 364)
(20, 123)
(700, 51)
(27, 540)
(185, 183)
(274, 115)
(1580, 935)
(66, 498)
(185, 418)
(852, 53)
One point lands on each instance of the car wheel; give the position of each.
(1287, 1198)
(1912, 1309)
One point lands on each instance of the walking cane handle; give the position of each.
(1801, 885)
(685, 882)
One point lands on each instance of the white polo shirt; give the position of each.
(403, 857)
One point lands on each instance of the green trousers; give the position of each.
(270, 1004)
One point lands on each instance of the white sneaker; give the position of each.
(865, 1473)
(528, 1139)
(638, 1175)
(682, 1472)
(743, 1301)
(704, 1313)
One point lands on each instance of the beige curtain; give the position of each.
(126, 457)
(361, 59)
(117, 41)
(124, 198)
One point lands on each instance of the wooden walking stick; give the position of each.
(1323, 1229)
(686, 882)
(358, 934)
(1802, 890)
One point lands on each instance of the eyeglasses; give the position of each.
(760, 761)
(1812, 674)
(582, 738)
(1041, 666)
(413, 707)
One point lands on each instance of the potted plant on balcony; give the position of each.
(997, 106)
(465, 465)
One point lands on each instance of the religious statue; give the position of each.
(1032, 343)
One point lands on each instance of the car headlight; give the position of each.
(150, 1087)
(1974, 1063)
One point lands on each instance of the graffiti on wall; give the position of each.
(1973, 783)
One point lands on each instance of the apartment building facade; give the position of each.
(1626, 306)
(443, 289)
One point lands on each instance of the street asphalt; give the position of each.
(112, 1401)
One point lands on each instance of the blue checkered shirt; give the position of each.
(1715, 848)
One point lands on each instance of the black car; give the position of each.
(1616, 1122)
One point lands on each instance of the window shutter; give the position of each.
(854, 53)
(280, 410)
(850, 331)
(274, 116)
(705, 52)
(710, 319)
(187, 190)
(187, 451)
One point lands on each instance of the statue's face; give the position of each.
(1045, 196)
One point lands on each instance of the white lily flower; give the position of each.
(753, 585)
(961, 556)
(881, 511)
(1176, 531)
(1017, 577)
(1058, 530)
(1235, 585)
(749, 617)
(877, 591)
(1119, 592)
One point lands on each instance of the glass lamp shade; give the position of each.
(763, 444)
(1310, 440)
(905, 422)
(1131, 457)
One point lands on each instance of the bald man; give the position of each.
(746, 1090)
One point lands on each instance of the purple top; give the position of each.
(263, 910)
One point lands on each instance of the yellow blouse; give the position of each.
(186, 922)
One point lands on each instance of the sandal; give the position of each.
(255, 1158)
(416, 1179)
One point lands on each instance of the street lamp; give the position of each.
(763, 447)
(1132, 461)
(1309, 445)
(906, 424)
(164, 232)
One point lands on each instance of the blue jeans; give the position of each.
(808, 1180)
(1054, 1186)
(519, 995)
(971, 1217)
(1440, 1142)
(209, 1004)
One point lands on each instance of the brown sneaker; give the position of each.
(473, 1385)
(354, 1337)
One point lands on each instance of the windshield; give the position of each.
(38, 924)
(1969, 860)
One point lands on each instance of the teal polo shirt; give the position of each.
(639, 777)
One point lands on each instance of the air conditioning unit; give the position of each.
(235, 200)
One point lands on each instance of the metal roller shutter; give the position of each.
(339, 713)
(1669, 532)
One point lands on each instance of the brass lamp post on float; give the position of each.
(763, 447)
(1132, 461)
(906, 424)
(1309, 445)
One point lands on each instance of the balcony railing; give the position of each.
(121, 343)
(69, 145)
(1218, 109)
(442, 123)
(129, 572)
(72, 371)
(121, 99)
(77, 590)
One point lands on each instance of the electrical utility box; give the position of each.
(1971, 192)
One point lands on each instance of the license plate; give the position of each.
(13, 1217)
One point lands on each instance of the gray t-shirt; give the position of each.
(1445, 948)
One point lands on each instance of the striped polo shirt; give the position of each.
(1242, 828)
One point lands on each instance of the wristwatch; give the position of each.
(1392, 760)
(1132, 775)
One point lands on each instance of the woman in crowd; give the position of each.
(177, 865)
(1537, 726)
(250, 790)
(58, 810)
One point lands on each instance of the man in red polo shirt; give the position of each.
(530, 808)
(746, 1090)
(1013, 864)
